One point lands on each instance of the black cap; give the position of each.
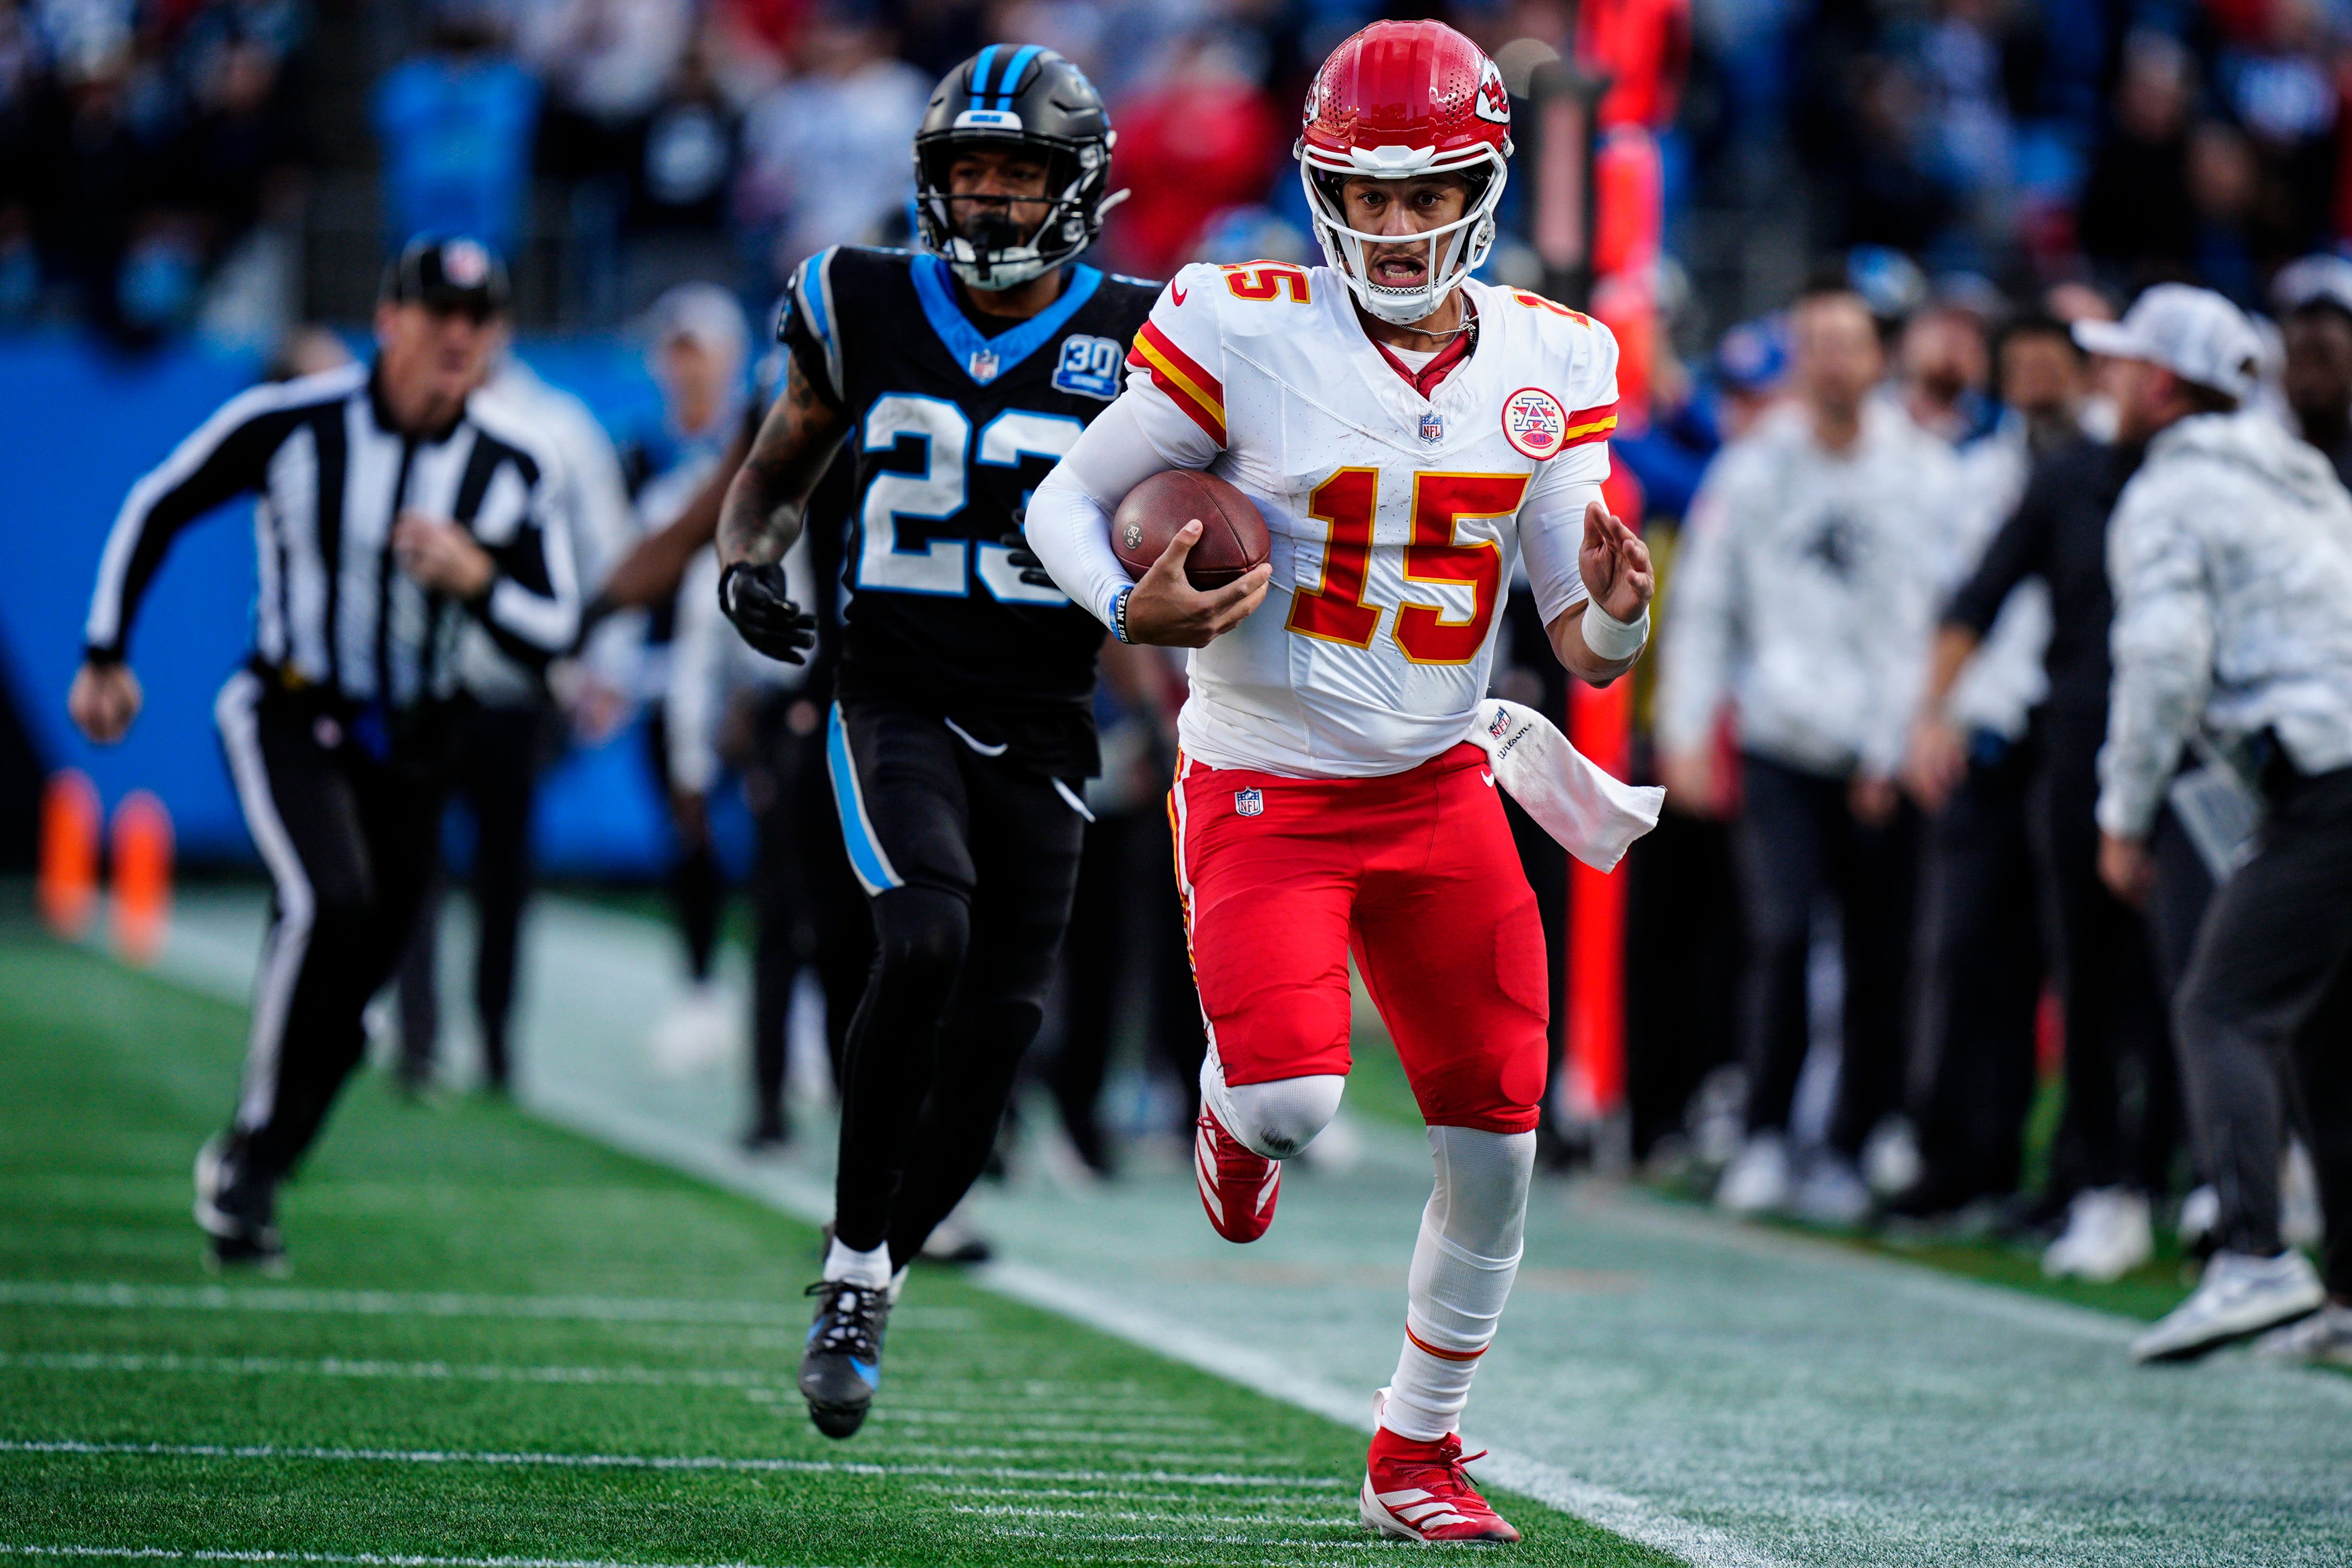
(447, 272)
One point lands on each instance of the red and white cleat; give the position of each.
(1237, 1183)
(1419, 1491)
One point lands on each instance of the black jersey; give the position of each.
(952, 427)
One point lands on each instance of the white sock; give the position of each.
(850, 1267)
(1463, 1265)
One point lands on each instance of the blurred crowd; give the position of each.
(143, 142)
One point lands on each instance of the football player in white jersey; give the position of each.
(1407, 432)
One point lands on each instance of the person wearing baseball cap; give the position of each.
(2231, 555)
(2314, 299)
(447, 273)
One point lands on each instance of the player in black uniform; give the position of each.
(963, 722)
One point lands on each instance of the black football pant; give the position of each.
(1685, 935)
(1798, 840)
(2266, 1002)
(969, 860)
(498, 754)
(349, 842)
(698, 882)
(810, 908)
(1979, 957)
(2121, 1119)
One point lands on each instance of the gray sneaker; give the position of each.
(2324, 1336)
(2240, 1294)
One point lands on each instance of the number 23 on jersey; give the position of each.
(1337, 608)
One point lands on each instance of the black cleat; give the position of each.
(842, 1367)
(237, 1207)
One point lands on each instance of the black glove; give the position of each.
(1032, 570)
(755, 600)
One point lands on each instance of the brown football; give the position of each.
(1233, 535)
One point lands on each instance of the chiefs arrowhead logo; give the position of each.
(1493, 102)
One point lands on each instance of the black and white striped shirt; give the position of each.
(331, 474)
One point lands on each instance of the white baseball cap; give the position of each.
(2195, 334)
(704, 312)
(2324, 278)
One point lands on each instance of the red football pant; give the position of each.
(1417, 874)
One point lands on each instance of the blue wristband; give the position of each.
(1119, 613)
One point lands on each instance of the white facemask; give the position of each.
(1454, 249)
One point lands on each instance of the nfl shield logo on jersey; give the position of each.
(1249, 802)
(983, 365)
(1433, 428)
(1534, 423)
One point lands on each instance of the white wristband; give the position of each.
(1611, 639)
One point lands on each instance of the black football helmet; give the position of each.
(1029, 96)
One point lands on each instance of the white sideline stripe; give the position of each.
(414, 1304)
(1700, 1545)
(634, 1133)
(638, 1462)
(364, 1559)
(288, 937)
(423, 1371)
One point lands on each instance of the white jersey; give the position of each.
(1397, 521)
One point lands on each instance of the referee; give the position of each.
(393, 508)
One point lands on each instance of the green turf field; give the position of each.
(501, 1341)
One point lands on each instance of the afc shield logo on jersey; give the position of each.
(1534, 423)
(1249, 802)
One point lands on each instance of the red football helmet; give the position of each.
(1397, 100)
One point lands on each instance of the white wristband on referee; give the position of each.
(1611, 639)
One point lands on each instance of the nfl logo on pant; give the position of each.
(1248, 802)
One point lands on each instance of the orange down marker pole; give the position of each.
(67, 883)
(1628, 225)
(142, 877)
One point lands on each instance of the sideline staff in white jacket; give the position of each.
(1803, 599)
(2230, 553)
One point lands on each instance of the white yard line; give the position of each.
(429, 1304)
(280, 1452)
(416, 1371)
(361, 1559)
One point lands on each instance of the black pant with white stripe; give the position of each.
(349, 840)
(969, 860)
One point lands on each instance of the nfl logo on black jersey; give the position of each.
(1249, 802)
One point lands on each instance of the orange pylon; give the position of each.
(142, 877)
(67, 879)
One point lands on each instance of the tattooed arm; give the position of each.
(762, 515)
(761, 518)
